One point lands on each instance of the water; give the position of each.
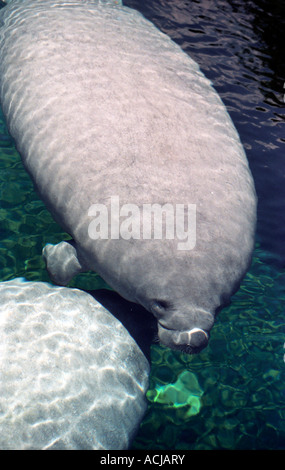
(231, 395)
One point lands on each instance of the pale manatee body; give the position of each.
(102, 104)
(72, 377)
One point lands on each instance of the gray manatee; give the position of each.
(104, 107)
(72, 377)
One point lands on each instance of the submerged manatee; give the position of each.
(102, 105)
(72, 377)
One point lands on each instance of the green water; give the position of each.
(231, 395)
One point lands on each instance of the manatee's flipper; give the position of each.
(62, 262)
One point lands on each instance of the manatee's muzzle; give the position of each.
(190, 341)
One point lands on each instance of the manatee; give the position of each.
(104, 107)
(72, 377)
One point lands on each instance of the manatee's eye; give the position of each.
(159, 306)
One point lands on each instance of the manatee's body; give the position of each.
(102, 104)
(71, 377)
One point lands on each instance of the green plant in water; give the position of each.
(185, 394)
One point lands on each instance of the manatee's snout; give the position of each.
(188, 332)
(191, 341)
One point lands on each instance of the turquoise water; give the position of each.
(231, 395)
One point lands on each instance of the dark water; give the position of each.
(231, 395)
